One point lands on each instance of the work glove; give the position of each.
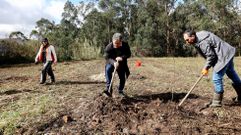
(205, 72)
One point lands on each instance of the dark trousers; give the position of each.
(47, 68)
(109, 69)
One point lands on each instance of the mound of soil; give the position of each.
(149, 114)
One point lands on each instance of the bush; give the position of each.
(14, 52)
(84, 51)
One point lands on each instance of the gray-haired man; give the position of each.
(116, 55)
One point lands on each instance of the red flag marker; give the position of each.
(138, 63)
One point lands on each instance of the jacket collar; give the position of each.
(200, 38)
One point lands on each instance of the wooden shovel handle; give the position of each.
(190, 90)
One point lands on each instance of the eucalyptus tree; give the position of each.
(17, 35)
(44, 27)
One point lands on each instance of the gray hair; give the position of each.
(117, 36)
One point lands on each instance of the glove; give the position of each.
(205, 72)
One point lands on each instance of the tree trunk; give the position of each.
(239, 50)
(168, 51)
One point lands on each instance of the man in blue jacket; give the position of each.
(219, 55)
(116, 54)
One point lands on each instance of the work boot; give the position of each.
(237, 88)
(107, 93)
(122, 94)
(217, 100)
(52, 81)
(41, 82)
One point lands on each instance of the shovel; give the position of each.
(111, 82)
(190, 90)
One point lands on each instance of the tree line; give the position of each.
(152, 27)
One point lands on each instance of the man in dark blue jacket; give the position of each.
(116, 55)
(219, 55)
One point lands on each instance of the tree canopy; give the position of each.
(152, 27)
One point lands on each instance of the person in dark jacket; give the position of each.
(219, 55)
(47, 55)
(116, 54)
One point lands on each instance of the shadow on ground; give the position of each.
(78, 82)
(164, 97)
(15, 91)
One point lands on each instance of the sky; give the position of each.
(22, 15)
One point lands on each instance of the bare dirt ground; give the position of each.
(75, 105)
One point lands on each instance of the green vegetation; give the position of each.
(25, 109)
(17, 51)
(152, 28)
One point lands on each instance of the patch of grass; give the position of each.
(26, 109)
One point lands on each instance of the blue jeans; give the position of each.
(218, 77)
(109, 69)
